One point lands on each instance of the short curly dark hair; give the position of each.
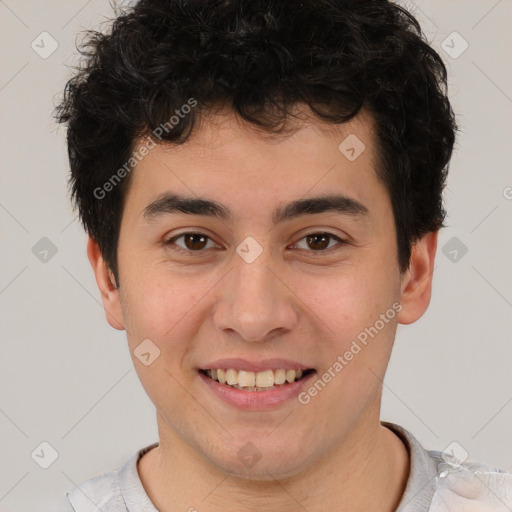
(260, 58)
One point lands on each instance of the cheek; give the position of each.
(358, 322)
(160, 309)
(351, 300)
(164, 307)
(358, 312)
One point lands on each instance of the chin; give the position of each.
(258, 460)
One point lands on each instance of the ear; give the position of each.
(416, 286)
(107, 286)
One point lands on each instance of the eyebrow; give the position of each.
(175, 203)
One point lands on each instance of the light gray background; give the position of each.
(67, 377)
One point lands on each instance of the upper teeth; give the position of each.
(265, 379)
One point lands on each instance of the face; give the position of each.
(293, 265)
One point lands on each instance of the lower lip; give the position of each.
(254, 400)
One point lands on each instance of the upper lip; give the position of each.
(254, 366)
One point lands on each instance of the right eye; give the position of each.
(193, 242)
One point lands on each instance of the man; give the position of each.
(262, 183)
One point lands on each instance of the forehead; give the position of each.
(251, 171)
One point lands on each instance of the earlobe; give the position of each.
(416, 286)
(106, 285)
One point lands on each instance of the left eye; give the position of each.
(196, 242)
(319, 241)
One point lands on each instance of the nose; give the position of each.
(256, 304)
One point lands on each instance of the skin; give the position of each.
(291, 302)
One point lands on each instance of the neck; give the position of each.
(368, 470)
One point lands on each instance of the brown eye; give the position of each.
(195, 241)
(318, 242)
(192, 242)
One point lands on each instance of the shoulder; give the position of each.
(441, 481)
(469, 485)
(101, 492)
(112, 491)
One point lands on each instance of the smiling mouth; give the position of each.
(255, 381)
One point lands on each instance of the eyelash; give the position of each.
(171, 242)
